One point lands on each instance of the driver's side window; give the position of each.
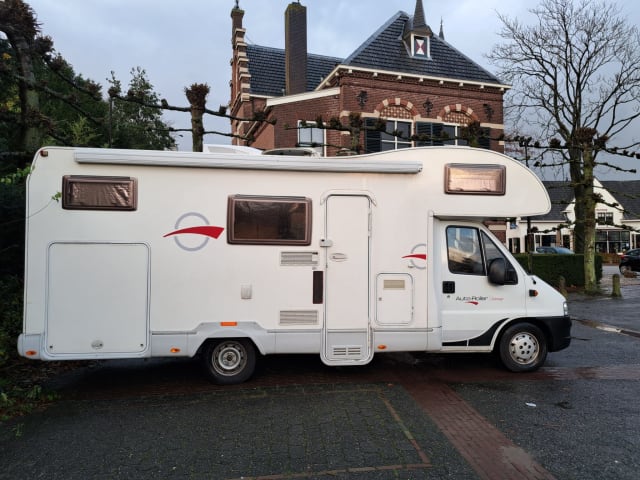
(470, 252)
(463, 251)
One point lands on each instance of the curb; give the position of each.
(607, 328)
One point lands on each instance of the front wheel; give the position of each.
(624, 269)
(523, 348)
(229, 360)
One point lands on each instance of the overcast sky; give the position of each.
(185, 42)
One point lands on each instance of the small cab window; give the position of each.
(80, 192)
(463, 251)
(471, 252)
(259, 220)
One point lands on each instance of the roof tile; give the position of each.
(383, 51)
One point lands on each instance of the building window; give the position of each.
(543, 240)
(604, 218)
(396, 135)
(425, 134)
(429, 134)
(310, 136)
(420, 47)
(258, 220)
(612, 241)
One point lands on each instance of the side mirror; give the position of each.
(498, 271)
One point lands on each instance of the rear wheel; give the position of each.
(624, 269)
(523, 348)
(229, 360)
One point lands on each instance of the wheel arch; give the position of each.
(544, 327)
(523, 346)
(263, 341)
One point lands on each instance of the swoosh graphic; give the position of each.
(206, 230)
(472, 303)
(421, 256)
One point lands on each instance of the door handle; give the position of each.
(338, 257)
(448, 287)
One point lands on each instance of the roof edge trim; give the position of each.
(299, 97)
(459, 81)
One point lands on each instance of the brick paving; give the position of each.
(488, 451)
(400, 417)
(348, 408)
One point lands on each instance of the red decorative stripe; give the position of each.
(421, 256)
(206, 230)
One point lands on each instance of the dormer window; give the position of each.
(421, 47)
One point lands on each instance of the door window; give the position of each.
(463, 250)
(470, 253)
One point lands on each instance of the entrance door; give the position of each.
(346, 339)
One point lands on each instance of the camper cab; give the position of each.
(136, 254)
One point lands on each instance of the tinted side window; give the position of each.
(80, 192)
(269, 220)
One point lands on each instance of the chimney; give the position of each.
(295, 45)
(236, 18)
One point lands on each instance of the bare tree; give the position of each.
(576, 79)
(197, 97)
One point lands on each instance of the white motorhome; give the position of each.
(134, 254)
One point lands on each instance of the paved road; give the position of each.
(622, 313)
(404, 416)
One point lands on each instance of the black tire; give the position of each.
(624, 268)
(523, 348)
(229, 360)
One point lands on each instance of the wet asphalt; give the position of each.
(578, 417)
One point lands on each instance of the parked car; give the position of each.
(556, 250)
(630, 261)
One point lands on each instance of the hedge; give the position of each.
(549, 267)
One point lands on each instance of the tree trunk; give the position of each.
(197, 129)
(578, 184)
(197, 96)
(590, 284)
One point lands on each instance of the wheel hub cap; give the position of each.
(524, 348)
(229, 359)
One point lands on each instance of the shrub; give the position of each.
(549, 267)
(11, 298)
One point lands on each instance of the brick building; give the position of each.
(403, 79)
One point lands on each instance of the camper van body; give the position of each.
(135, 254)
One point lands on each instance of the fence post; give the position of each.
(562, 286)
(615, 289)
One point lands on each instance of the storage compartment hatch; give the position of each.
(97, 299)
